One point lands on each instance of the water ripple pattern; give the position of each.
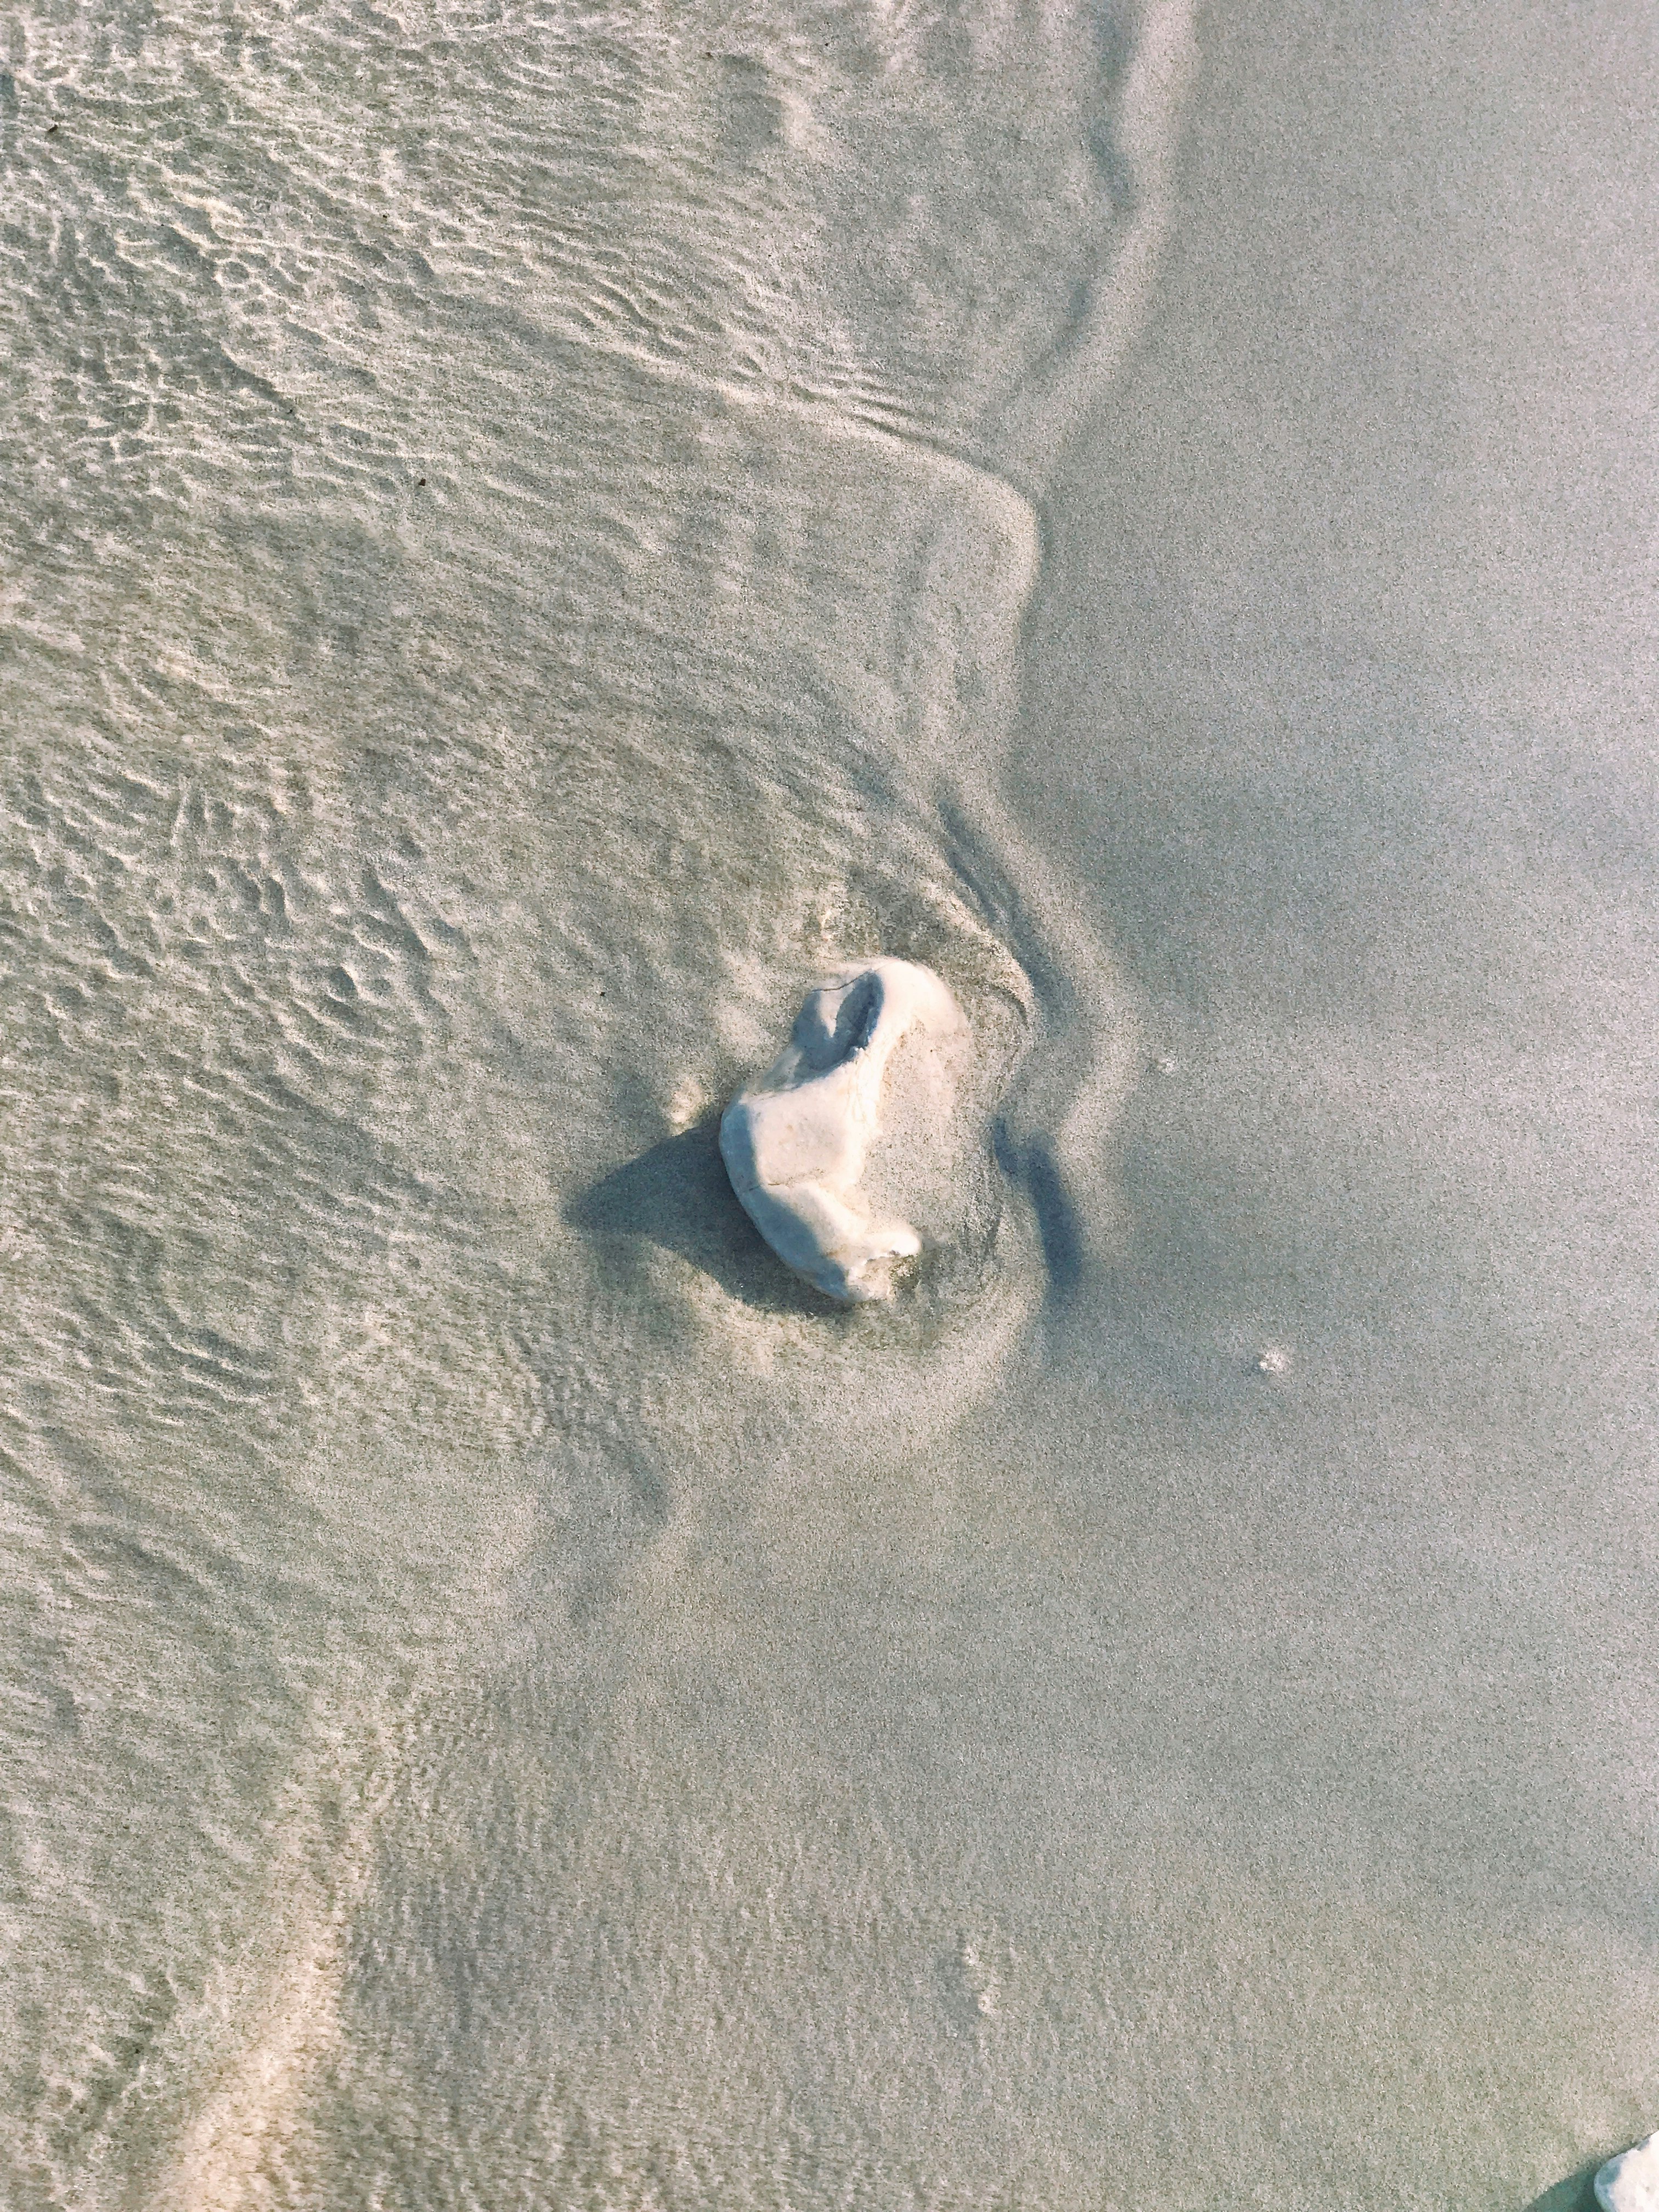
(518, 521)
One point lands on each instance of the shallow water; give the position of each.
(542, 533)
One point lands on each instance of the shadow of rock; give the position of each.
(1576, 2194)
(1033, 1165)
(677, 1196)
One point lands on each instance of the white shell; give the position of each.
(795, 1141)
(1630, 2183)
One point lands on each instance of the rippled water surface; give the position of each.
(507, 579)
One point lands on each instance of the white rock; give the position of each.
(795, 1141)
(1630, 2183)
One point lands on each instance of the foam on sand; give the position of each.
(1630, 2183)
(795, 1141)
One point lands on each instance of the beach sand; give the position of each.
(543, 536)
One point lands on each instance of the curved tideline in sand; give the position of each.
(795, 1141)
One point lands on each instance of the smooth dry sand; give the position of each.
(1339, 702)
